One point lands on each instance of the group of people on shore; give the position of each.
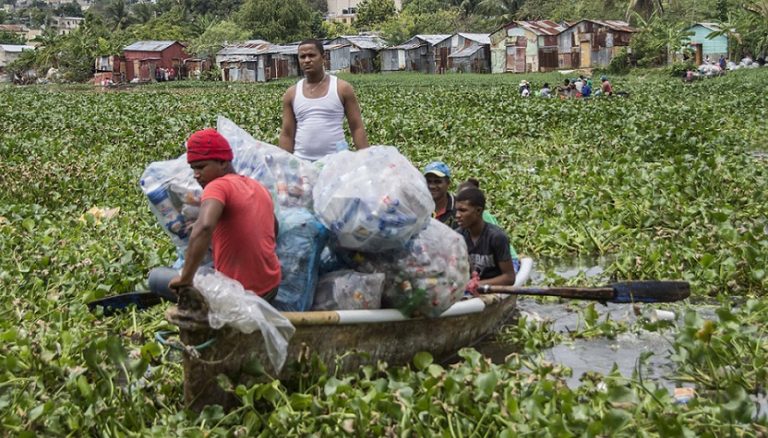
(313, 112)
(577, 88)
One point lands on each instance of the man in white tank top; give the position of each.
(314, 109)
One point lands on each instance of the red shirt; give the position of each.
(244, 238)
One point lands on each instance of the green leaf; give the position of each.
(422, 360)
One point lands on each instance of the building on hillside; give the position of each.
(257, 61)
(345, 11)
(65, 25)
(464, 53)
(705, 47)
(146, 60)
(363, 52)
(8, 54)
(416, 54)
(525, 46)
(592, 43)
(21, 30)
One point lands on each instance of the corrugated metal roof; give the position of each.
(621, 26)
(433, 39)
(15, 48)
(465, 52)
(482, 38)
(251, 47)
(371, 42)
(714, 27)
(149, 46)
(542, 27)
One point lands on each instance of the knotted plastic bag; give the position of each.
(372, 200)
(229, 303)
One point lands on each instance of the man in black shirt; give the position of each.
(488, 244)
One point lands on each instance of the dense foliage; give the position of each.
(209, 24)
(668, 182)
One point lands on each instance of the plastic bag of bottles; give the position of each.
(431, 278)
(288, 179)
(424, 278)
(229, 303)
(174, 197)
(349, 290)
(372, 200)
(300, 241)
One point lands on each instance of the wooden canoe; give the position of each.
(372, 335)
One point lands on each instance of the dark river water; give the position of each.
(601, 354)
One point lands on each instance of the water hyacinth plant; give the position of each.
(670, 183)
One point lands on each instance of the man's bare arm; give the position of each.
(288, 131)
(354, 117)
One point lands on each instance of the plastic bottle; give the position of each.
(167, 214)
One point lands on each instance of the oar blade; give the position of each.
(650, 291)
(142, 300)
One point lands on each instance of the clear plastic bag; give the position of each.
(301, 240)
(171, 189)
(349, 290)
(289, 179)
(426, 277)
(372, 200)
(245, 311)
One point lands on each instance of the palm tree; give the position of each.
(118, 14)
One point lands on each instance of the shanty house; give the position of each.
(363, 51)
(464, 53)
(257, 61)
(416, 54)
(715, 47)
(143, 58)
(592, 43)
(336, 57)
(525, 46)
(10, 53)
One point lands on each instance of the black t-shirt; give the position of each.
(491, 248)
(449, 215)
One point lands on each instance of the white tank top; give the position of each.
(318, 122)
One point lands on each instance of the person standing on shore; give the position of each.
(314, 110)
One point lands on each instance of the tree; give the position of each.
(282, 21)
(334, 29)
(72, 9)
(174, 25)
(372, 12)
(117, 14)
(143, 12)
(215, 37)
(11, 38)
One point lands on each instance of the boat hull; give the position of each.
(343, 340)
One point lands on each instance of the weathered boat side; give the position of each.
(322, 333)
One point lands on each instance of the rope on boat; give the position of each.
(192, 350)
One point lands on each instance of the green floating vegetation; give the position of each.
(669, 183)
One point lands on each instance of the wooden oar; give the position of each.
(648, 291)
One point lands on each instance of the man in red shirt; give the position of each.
(236, 215)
